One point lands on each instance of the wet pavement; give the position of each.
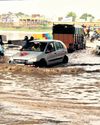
(61, 95)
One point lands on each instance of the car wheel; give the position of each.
(10, 62)
(97, 53)
(65, 60)
(42, 63)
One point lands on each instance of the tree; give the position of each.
(85, 16)
(73, 15)
(20, 14)
(91, 17)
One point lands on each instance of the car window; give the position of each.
(42, 46)
(36, 46)
(50, 47)
(58, 45)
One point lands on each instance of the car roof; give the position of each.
(46, 40)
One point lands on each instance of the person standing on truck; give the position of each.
(88, 31)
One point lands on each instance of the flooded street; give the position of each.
(61, 95)
(50, 100)
(64, 98)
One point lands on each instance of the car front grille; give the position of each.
(19, 61)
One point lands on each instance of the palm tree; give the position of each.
(85, 16)
(73, 15)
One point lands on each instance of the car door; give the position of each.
(51, 53)
(60, 51)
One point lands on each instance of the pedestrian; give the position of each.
(31, 38)
(25, 43)
(88, 31)
(25, 40)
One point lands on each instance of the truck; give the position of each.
(73, 36)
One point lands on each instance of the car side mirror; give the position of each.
(47, 51)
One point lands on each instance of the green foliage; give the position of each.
(20, 14)
(72, 14)
(85, 16)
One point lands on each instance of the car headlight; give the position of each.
(11, 60)
(32, 60)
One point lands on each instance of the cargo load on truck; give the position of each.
(71, 35)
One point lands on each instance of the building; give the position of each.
(33, 21)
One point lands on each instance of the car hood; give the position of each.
(10, 52)
(26, 55)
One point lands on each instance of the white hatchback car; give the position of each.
(41, 53)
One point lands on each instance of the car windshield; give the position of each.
(35, 46)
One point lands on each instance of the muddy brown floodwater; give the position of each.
(61, 95)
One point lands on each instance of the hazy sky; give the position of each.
(51, 8)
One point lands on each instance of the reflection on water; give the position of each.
(44, 100)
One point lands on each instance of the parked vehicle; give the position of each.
(3, 39)
(1, 50)
(98, 50)
(98, 37)
(42, 53)
(72, 36)
(95, 36)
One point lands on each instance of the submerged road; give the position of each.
(61, 95)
